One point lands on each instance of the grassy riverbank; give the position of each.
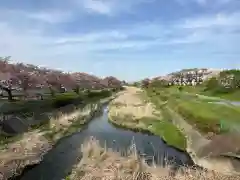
(70, 123)
(132, 110)
(105, 164)
(200, 89)
(206, 125)
(205, 115)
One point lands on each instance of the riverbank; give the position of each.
(31, 146)
(209, 145)
(131, 110)
(26, 151)
(201, 90)
(58, 163)
(101, 163)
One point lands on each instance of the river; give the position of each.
(58, 162)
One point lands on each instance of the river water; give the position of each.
(58, 162)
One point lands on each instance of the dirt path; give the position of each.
(128, 109)
(133, 104)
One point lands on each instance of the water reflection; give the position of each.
(59, 161)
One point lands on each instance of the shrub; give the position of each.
(65, 99)
(221, 90)
(227, 82)
(121, 88)
(77, 89)
(99, 94)
(21, 107)
(180, 88)
(164, 97)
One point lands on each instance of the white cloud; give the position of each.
(206, 3)
(50, 17)
(100, 7)
(110, 7)
(202, 2)
(34, 42)
(195, 37)
(218, 20)
(111, 35)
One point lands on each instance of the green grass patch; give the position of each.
(163, 126)
(205, 116)
(228, 95)
(170, 133)
(234, 96)
(166, 130)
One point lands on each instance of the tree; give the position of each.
(8, 89)
(212, 83)
(229, 80)
(189, 78)
(4, 64)
(7, 80)
(136, 84)
(5, 59)
(39, 95)
(145, 83)
(160, 83)
(67, 81)
(112, 82)
(181, 78)
(180, 88)
(77, 89)
(53, 81)
(26, 81)
(236, 81)
(9, 83)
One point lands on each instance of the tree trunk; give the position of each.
(10, 97)
(9, 91)
(52, 92)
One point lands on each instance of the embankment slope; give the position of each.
(29, 148)
(131, 109)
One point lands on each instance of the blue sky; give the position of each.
(129, 39)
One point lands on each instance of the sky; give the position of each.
(129, 39)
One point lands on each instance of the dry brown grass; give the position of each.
(65, 120)
(99, 163)
(61, 125)
(129, 102)
(32, 145)
(28, 150)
